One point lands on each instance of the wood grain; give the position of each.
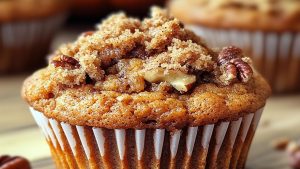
(20, 136)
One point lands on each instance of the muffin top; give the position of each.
(266, 15)
(145, 74)
(23, 10)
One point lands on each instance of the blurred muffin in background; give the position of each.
(268, 30)
(26, 30)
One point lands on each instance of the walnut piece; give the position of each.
(179, 80)
(66, 62)
(8, 162)
(232, 66)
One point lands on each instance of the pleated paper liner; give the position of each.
(275, 55)
(222, 145)
(24, 45)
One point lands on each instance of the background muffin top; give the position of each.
(16, 10)
(142, 74)
(276, 15)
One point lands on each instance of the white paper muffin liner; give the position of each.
(275, 55)
(24, 44)
(221, 145)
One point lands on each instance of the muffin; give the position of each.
(27, 28)
(267, 30)
(146, 94)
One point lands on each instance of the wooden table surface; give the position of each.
(20, 136)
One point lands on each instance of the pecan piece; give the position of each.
(232, 66)
(8, 162)
(66, 62)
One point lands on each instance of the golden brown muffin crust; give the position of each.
(267, 15)
(144, 74)
(24, 10)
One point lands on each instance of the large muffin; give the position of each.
(134, 93)
(267, 30)
(27, 28)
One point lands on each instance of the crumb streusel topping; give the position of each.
(144, 74)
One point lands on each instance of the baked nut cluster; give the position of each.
(13, 162)
(233, 67)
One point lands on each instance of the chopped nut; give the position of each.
(154, 75)
(8, 162)
(232, 66)
(280, 143)
(179, 80)
(66, 62)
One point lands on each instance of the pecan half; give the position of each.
(66, 62)
(8, 162)
(232, 66)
